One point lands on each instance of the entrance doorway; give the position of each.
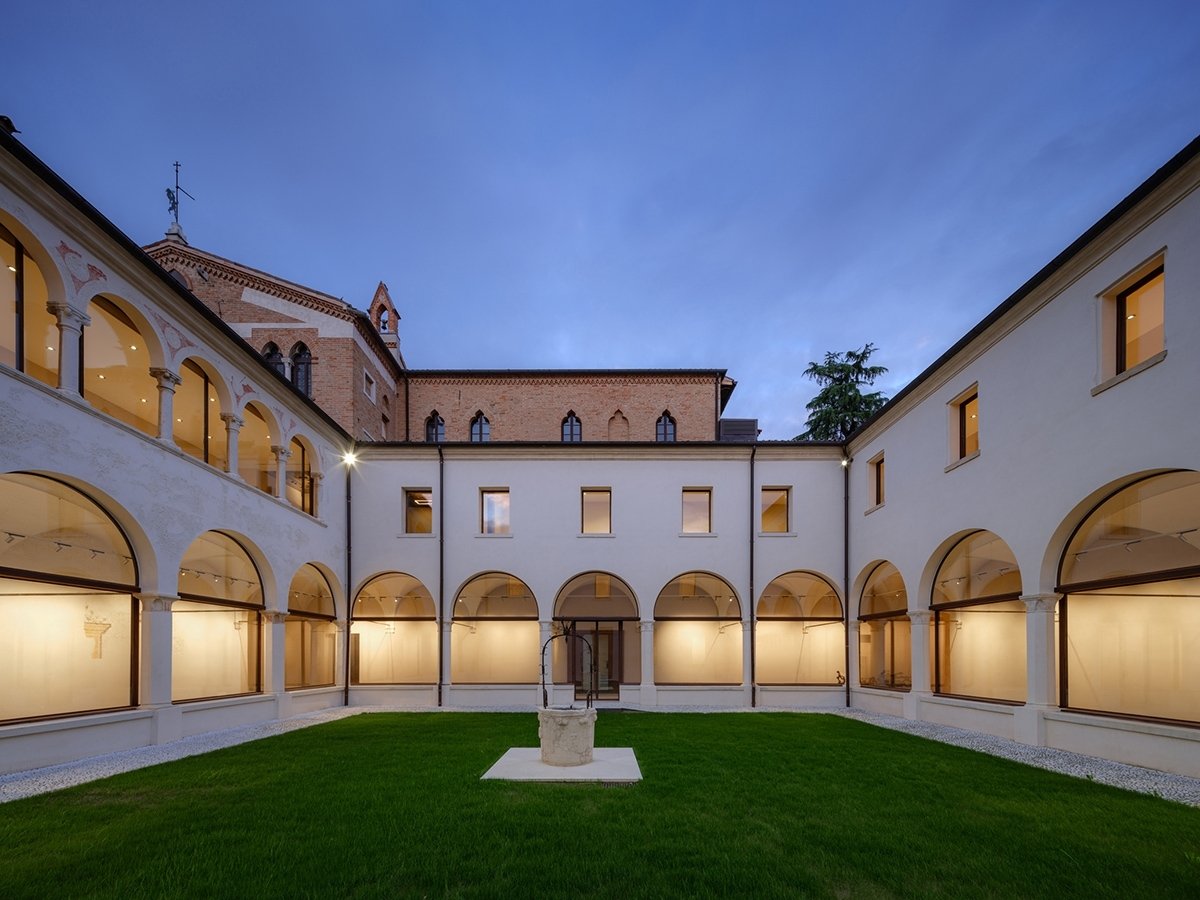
(605, 641)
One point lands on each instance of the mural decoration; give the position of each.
(77, 268)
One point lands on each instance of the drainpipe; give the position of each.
(750, 599)
(846, 565)
(441, 564)
(349, 582)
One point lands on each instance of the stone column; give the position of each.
(920, 662)
(317, 478)
(747, 667)
(167, 382)
(852, 662)
(447, 624)
(275, 653)
(71, 323)
(649, 695)
(233, 425)
(1041, 685)
(155, 666)
(281, 458)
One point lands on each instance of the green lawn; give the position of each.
(755, 805)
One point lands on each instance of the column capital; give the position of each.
(747, 626)
(232, 422)
(646, 627)
(69, 317)
(919, 615)
(167, 380)
(1043, 603)
(156, 602)
(275, 616)
(281, 453)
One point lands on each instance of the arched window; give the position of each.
(435, 429)
(800, 633)
(217, 622)
(28, 330)
(664, 430)
(697, 632)
(481, 429)
(884, 631)
(256, 462)
(310, 632)
(1130, 614)
(979, 621)
(300, 488)
(602, 609)
(116, 367)
(572, 429)
(68, 616)
(199, 430)
(383, 320)
(494, 639)
(394, 633)
(273, 357)
(301, 358)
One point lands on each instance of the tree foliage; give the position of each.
(841, 406)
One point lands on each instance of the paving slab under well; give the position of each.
(613, 765)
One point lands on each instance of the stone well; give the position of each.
(568, 736)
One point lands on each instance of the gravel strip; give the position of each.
(1178, 788)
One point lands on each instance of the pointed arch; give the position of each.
(481, 428)
(435, 428)
(301, 358)
(664, 428)
(572, 428)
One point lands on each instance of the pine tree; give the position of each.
(841, 406)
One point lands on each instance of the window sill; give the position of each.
(494, 536)
(1130, 372)
(958, 462)
(872, 509)
(697, 534)
(606, 534)
(777, 534)
(416, 534)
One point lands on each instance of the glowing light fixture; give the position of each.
(349, 457)
(133, 346)
(12, 268)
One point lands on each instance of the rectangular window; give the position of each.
(876, 486)
(775, 510)
(418, 511)
(697, 510)
(1139, 321)
(968, 426)
(369, 386)
(494, 511)
(597, 511)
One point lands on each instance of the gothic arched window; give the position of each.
(273, 357)
(435, 429)
(664, 431)
(572, 429)
(481, 429)
(302, 368)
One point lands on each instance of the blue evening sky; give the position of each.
(738, 185)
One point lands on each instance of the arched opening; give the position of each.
(664, 429)
(273, 357)
(884, 631)
(979, 621)
(217, 622)
(394, 633)
(572, 428)
(602, 608)
(116, 367)
(301, 358)
(697, 632)
(435, 429)
(310, 631)
(1129, 619)
(68, 617)
(800, 632)
(28, 330)
(618, 427)
(300, 487)
(199, 430)
(494, 638)
(481, 429)
(256, 462)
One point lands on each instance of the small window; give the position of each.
(494, 511)
(664, 431)
(481, 429)
(369, 386)
(775, 510)
(597, 511)
(301, 358)
(697, 510)
(875, 487)
(572, 429)
(418, 511)
(435, 429)
(273, 357)
(964, 425)
(1139, 321)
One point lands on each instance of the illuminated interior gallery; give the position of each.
(226, 499)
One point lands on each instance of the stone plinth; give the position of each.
(567, 736)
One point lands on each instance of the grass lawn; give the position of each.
(390, 804)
